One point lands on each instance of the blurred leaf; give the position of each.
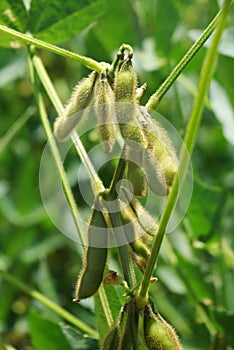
(13, 215)
(171, 279)
(15, 127)
(42, 249)
(12, 14)
(4, 346)
(78, 341)
(166, 20)
(223, 110)
(12, 71)
(46, 334)
(46, 283)
(226, 321)
(226, 46)
(115, 304)
(203, 208)
(59, 21)
(146, 59)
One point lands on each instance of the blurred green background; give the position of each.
(196, 265)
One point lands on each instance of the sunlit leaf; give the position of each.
(59, 21)
(223, 110)
(46, 334)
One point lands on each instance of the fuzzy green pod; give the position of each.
(145, 220)
(105, 112)
(160, 161)
(94, 260)
(112, 338)
(158, 334)
(129, 339)
(134, 172)
(126, 83)
(76, 109)
(127, 107)
(134, 233)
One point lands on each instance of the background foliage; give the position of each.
(195, 270)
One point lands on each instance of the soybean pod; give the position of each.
(135, 172)
(76, 108)
(129, 339)
(158, 334)
(94, 260)
(127, 107)
(160, 160)
(105, 112)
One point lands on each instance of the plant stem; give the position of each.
(155, 99)
(55, 151)
(96, 183)
(189, 141)
(29, 39)
(49, 303)
(120, 236)
(9, 135)
(118, 175)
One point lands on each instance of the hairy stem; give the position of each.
(30, 40)
(54, 150)
(155, 99)
(96, 183)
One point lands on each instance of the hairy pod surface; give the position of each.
(134, 172)
(94, 260)
(111, 340)
(127, 107)
(129, 338)
(134, 233)
(161, 162)
(105, 112)
(113, 337)
(76, 108)
(145, 220)
(126, 83)
(158, 334)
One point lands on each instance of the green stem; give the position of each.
(122, 248)
(96, 183)
(155, 99)
(189, 141)
(55, 151)
(118, 175)
(9, 135)
(49, 303)
(30, 40)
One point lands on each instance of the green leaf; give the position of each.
(226, 321)
(203, 208)
(76, 340)
(12, 14)
(46, 334)
(223, 110)
(166, 13)
(59, 20)
(112, 297)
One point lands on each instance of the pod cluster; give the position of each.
(133, 330)
(151, 161)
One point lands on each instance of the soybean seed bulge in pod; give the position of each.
(158, 334)
(76, 109)
(94, 259)
(105, 112)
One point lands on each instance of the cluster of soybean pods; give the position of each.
(148, 162)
